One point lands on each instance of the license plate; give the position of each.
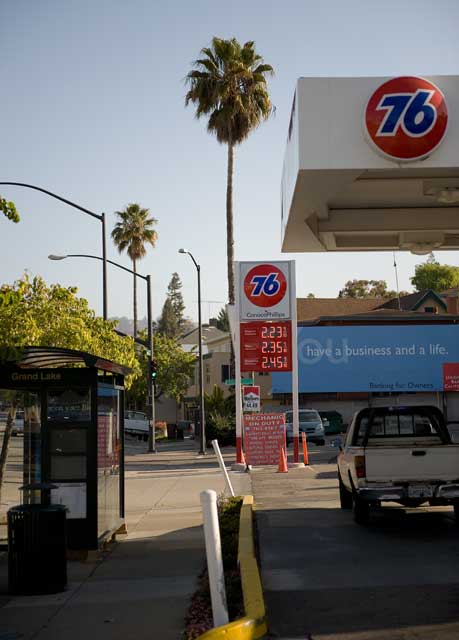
(420, 491)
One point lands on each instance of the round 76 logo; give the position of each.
(265, 285)
(406, 118)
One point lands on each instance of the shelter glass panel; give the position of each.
(20, 447)
(108, 459)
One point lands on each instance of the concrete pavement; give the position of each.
(141, 587)
(326, 578)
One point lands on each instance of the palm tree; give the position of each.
(229, 86)
(132, 233)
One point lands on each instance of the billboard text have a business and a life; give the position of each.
(373, 358)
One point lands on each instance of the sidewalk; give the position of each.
(141, 587)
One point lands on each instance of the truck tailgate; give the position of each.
(396, 464)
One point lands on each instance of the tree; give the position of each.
(172, 322)
(435, 276)
(132, 233)
(9, 209)
(34, 313)
(174, 370)
(229, 86)
(222, 320)
(366, 289)
(310, 295)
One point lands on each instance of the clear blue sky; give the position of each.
(93, 109)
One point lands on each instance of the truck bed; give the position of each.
(404, 463)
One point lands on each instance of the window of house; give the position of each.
(431, 309)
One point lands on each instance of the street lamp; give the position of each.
(100, 217)
(202, 435)
(149, 345)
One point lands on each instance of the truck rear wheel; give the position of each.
(456, 512)
(361, 510)
(345, 496)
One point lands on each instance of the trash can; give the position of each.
(37, 549)
(171, 431)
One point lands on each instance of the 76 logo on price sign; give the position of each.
(265, 285)
(406, 118)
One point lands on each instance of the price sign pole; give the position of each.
(237, 373)
(294, 343)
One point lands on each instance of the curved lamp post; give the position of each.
(202, 434)
(100, 217)
(150, 382)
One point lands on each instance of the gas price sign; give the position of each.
(266, 346)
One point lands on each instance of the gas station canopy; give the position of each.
(372, 164)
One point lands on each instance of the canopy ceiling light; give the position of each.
(450, 195)
(420, 248)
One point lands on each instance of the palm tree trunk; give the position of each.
(229, 224)
(134, 268)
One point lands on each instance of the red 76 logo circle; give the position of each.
(406, 118)
(265, 285)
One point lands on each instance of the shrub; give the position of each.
(221, 428)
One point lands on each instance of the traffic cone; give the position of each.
(305, 449)
(282, 462)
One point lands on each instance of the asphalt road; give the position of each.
(326, 578)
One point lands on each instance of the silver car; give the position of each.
(310, 424)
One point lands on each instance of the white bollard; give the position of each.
(214, 557)
(221, 462)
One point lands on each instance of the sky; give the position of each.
(93, 110)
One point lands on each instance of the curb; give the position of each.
(253, 625)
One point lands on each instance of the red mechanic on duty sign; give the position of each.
(406, 118)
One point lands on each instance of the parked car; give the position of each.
(332, 421)
(136, 424)
(18, 426)
(310, 424)
(398, 454)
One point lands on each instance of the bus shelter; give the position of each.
(62, 423)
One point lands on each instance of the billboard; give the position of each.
(382, 358)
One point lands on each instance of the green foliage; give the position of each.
(229, 86)
(229, 510)
(366, 289)
(9, 210)
(222, 320)
(174, 368)
(218, 403)
(172, 322)
(435, 276)
(132, 233)
(220, 417)
(134, 230)
(222, 428)
(34, 313)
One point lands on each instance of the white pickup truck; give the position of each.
(398, 454)
(136, 424)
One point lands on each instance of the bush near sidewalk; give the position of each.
(199, 616)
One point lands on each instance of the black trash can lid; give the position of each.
(38, 486)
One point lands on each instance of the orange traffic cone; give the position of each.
(282, 462)
(305, 449)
